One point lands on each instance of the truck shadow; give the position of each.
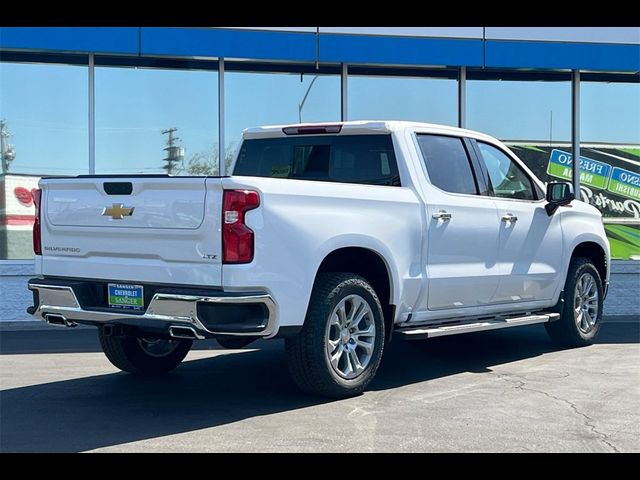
(103, 410)
(478, 351)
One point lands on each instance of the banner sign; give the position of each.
(609, 180)
(592, 172)
(625, 183)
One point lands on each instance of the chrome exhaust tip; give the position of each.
(186, 333)
(58, 320)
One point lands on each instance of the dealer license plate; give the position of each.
(125, 296)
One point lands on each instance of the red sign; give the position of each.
(24, 196)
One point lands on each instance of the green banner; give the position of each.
(625, 183)
(592, 172)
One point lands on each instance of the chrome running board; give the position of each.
(477, 325)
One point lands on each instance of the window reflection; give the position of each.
(610, 160)
(537, 111)
(43, 131)
(432, 100)
(151, 121)
(255, 99)
(44, 109)
(532, 117)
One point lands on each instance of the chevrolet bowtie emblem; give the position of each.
(117, 211)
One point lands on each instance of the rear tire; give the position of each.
(581, 313)
(338, 350)
(144, 356)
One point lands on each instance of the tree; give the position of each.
(201, 164)
(206, 163)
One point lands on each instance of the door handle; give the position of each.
(441, 215)
(509, 217)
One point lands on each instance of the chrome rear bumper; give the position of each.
(165, 310)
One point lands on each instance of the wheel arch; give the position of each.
(594, 252)
(372, 266)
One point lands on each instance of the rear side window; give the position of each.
(367, 159)
(448, 164)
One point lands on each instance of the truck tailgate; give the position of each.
(145, 229)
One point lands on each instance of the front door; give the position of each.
(530, 241)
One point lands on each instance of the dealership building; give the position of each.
(150, 100)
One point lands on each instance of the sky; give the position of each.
(46, 108)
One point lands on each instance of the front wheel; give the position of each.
(581, 314)
(144, 356)
(338, 350)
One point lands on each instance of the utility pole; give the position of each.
(304, 99)
(7, 152)
(175, 153)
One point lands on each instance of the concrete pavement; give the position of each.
(509, 390)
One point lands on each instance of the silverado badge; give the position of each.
(117, 211)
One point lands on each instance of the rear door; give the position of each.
(530, 241)
(462, 237)
(155, 229)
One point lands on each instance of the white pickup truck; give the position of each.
(331, 236)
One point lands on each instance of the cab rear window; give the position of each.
(365, 159)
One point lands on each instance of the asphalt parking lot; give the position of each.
(509, 390)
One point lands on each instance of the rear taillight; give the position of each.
(237, 238)
(37, 237)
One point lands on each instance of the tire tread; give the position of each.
(564, 331)
(306, 361)
(126, 354)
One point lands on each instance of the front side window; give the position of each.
(506, 177)
(367, 159)
(447, 163)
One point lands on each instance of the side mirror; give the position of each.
(558, 194)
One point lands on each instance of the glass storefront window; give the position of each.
(532, 117)
(44, 130)
(610, 160)
(520, 111)
(610, 112)
(422, 99)
(151, 121)
(255, 99)
(159, 120)
(44, 110)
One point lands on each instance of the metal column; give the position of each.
(92, 116)
(575, 132)
(222, 165)
(344, 82)
(462, 97)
